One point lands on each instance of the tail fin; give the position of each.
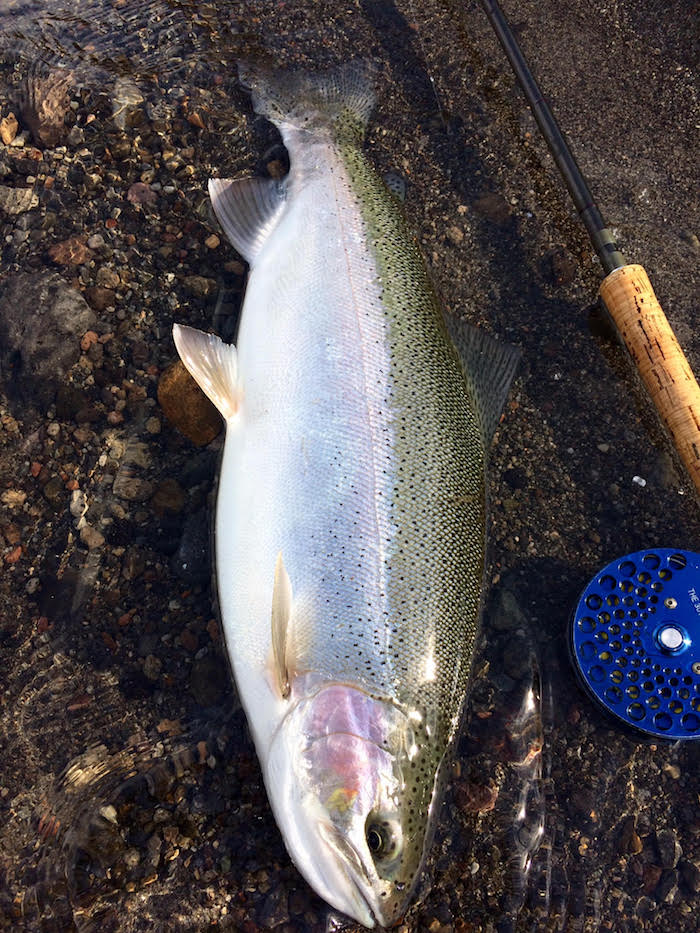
(342, 98)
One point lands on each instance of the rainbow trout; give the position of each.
(350, 518)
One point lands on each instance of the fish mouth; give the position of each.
(358, 888)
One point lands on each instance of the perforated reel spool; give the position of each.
(636, 641)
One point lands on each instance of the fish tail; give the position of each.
(342, 98)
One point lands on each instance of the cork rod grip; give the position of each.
(630, 299)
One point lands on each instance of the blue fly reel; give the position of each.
(636, 641)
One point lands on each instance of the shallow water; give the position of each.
(130, 794)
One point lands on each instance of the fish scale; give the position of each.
(350, 527)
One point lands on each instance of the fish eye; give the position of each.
(383, 837)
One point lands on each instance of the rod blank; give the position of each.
(626, 291)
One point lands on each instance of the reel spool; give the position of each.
(636, 641)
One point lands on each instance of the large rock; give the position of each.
(44, 102)
(41, 322)
(15, 201)
(187, 407)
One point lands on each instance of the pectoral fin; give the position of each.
(248, 209)
(281, 622)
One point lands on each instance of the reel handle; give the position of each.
(632, 304)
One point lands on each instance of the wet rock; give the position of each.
(127, 109)
(516, 478)
(455, 235)
(8, 128)
(78, 505)
(121, 149)
(662, 472)
(129, 482)
(191, 560)
(516, 659)
(76, 137)
(15, 201)
(630, 843)
(493, 207)
(186, 407)
(668, 847)
(107, 278)
(71, 252)
(168, 497)
(55, 492)
(690, 875)
(199, 287)
(100, 297)
(646, 908)
(13, 498)
(141, 193)
(189, 640)
(275, 909)
(583, 802)
(152, 667)
(667, 887)
(89, 339)
(69, 401)
(41, 322)
(560, 266)
(208, 680)
(134, 563)
(475, 798)
(96, 241)
(44, 102)
(91, 537)
(651, 874)
(691, 240)
(506, 614)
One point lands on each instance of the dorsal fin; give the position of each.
(489, 366)
(281, 620)
(248, 209)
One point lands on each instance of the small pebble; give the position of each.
(152, 667)
(690, 875)
(78, 505)
(13, 498)
(630, 843)
(8, 128)
(87, 340)
(91, 536)
(669, 848)
(107, 278)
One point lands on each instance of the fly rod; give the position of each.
(626, 290)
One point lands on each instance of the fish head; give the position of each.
(353, 801)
